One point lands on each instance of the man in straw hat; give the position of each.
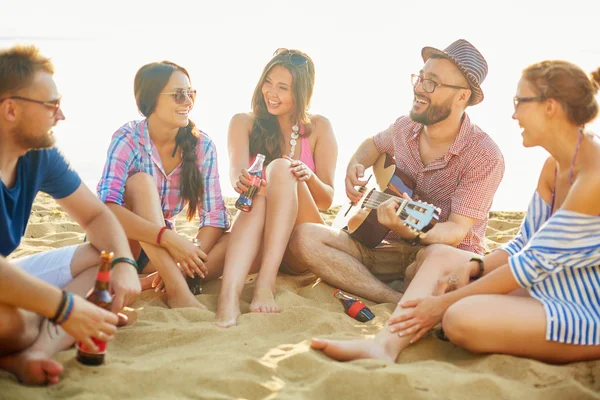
(447, 161)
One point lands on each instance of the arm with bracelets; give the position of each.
(78, 317)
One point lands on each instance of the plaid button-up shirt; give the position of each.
(131, 150)
(463, 181)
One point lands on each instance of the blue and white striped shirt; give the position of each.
(557, 258)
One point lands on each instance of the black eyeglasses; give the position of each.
(518, 100)
(296, 59)
(53, 105)
(429, 85)
(180, 95)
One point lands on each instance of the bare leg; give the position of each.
(142, 199)
(335, 257)
(509, 325)
(243, 249)
(430, 264)
(289, 203)
(30, 346)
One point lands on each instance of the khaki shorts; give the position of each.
(390, 260)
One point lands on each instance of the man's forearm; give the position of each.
(366, 154)
(449, 233)
(21, 290)
(105, 233)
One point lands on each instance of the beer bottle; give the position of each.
(354, 307)
(244, 202)
(101, 297)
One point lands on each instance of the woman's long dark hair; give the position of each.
(265, 137)
(150, 81)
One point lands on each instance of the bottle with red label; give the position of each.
(354, 307)
(100, 296)
(244, 202)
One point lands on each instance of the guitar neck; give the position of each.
(377, 198)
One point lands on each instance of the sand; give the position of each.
(181, 354)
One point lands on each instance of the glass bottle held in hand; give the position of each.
(195, 283)
(244, 202)
(101, 297)
(354, 307)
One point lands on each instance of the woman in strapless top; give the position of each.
(301, 154)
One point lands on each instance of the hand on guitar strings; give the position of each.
(300, 170)
(387, 216)
(354, 173)
(245, 181)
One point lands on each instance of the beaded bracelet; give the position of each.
(61, 308)
(67, 313)
(125, 260)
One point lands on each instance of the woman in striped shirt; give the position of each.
(154, 168)
(555, 257)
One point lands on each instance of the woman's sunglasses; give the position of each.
(180, 95)
(296, 59)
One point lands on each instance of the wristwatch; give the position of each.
(481, 267)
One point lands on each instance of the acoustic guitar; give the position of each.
(360, 219)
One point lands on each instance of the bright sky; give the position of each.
(364, 54)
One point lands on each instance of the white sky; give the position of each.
(364, 54)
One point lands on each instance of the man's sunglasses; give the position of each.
(180, 95)
(53, 105)
(294, 58)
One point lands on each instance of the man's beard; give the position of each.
(433, 114)
(28, 141)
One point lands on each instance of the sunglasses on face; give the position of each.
(180, 95)
(53, 105)
(429, 85)
(518, 100)
(296, 59)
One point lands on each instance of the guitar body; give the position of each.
(360, 219)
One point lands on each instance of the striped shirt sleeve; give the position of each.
(212, 210)
(120, 157)
(538, 212)
(567, 240)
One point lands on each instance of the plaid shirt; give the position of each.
(463, 181)
(131, 150)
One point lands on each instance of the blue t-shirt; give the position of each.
(38, 170)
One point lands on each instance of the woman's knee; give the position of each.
(459, 323)
(279, 169)
(140, 182)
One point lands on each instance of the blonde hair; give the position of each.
(569, 85)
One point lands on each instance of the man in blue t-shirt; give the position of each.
(29, 108)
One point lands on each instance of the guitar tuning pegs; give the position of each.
(438, 210)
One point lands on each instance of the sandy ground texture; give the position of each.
(181, 354)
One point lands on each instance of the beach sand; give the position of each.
(181, 354)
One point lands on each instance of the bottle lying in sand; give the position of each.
(195, 283)
(101, 297)
(354, 307)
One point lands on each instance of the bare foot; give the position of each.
(347, 350)
(32, 368)
(264, 301)
(228, 311)
(185, 299)
(123, 320)
(146, 281)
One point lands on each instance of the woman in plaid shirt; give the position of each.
(154, 168)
